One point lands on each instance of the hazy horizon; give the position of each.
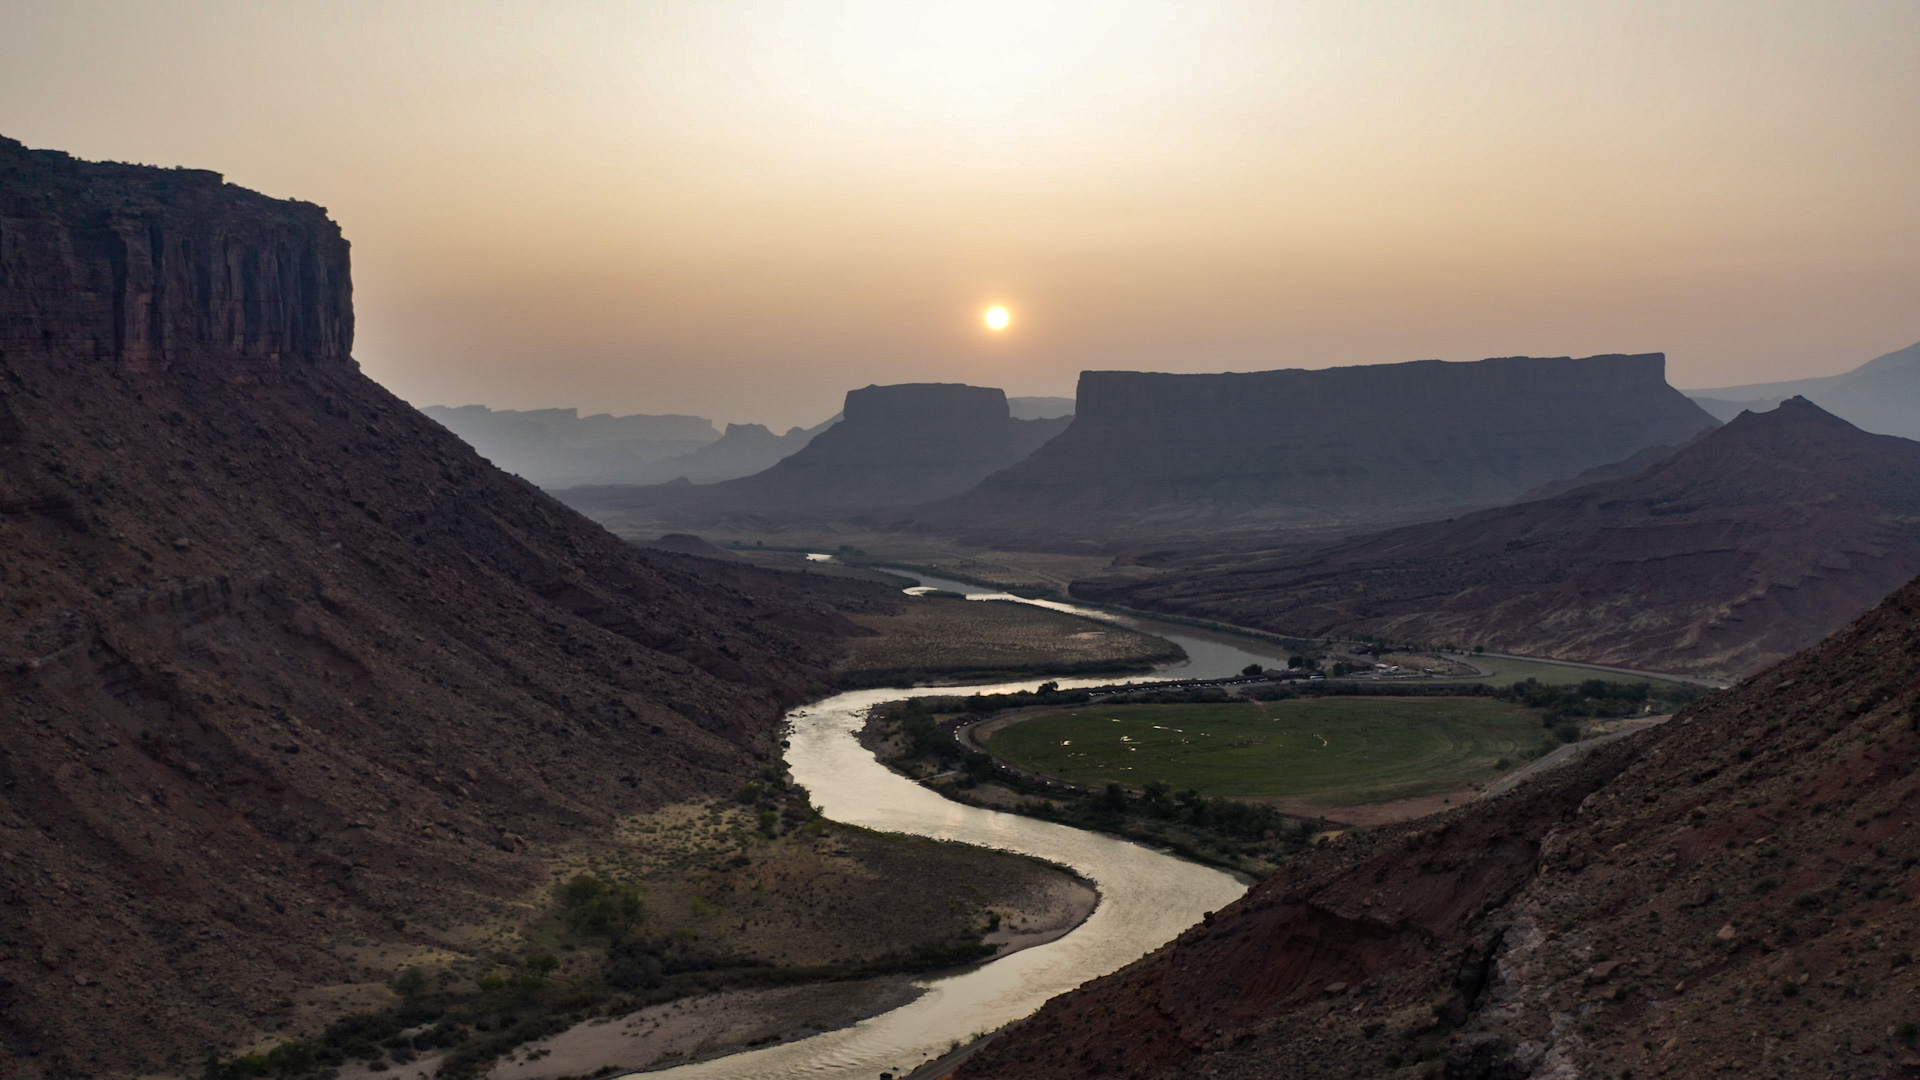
(742, 211)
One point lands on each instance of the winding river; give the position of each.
(1146, 897)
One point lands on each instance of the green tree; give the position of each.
(410, 983)
(592, 906)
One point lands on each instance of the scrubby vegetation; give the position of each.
(608, 947)
(1598, 698)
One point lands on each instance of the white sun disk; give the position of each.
(997, 318)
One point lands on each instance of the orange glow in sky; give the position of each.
(741, 210)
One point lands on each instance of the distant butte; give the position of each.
(896, 446)
(1158, 454)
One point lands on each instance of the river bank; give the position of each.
(711, 1026)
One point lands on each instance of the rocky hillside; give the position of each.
(1729, 894)
(896, 446)
(1732, 553)
(1161, 454)
(290, 680)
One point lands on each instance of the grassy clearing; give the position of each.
(937, 638)
(1319, 752)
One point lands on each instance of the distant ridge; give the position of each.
(1155, 452)
(560, 448)
(743, 450)
(1741, 548)
(1881, 395)
(896, 446)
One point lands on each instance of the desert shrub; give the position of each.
(410, 983)
(591, 906)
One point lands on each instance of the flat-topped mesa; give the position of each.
(945, 405)
(896, 446)
(156, 269)
(1340, 444)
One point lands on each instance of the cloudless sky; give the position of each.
(741, 210)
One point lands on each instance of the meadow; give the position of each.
(1314, 752)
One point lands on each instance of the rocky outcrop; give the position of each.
(895, 446)
(147, 269)
(1734, 552)
(1730, 893)
(1163, 453)
(293, 685)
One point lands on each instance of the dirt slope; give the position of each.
(291, 680)
(1731, 893)
(1739, 549)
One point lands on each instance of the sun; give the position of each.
(997, 318)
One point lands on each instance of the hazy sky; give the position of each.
(741, 210)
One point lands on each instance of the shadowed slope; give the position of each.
(1737, 550)
(291, 682)
(1726, 892)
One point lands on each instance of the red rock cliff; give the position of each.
(152, 268)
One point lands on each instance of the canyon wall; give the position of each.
(148, 268)
(1164, 451)
(293, 685)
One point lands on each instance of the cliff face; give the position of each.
(1749, 544)
(896, 446)
(1725, 894)
(149, 268)
(1160, 452)
(291, 682)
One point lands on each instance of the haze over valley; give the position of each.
(933, 542)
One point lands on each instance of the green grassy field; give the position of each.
(1321, 752)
